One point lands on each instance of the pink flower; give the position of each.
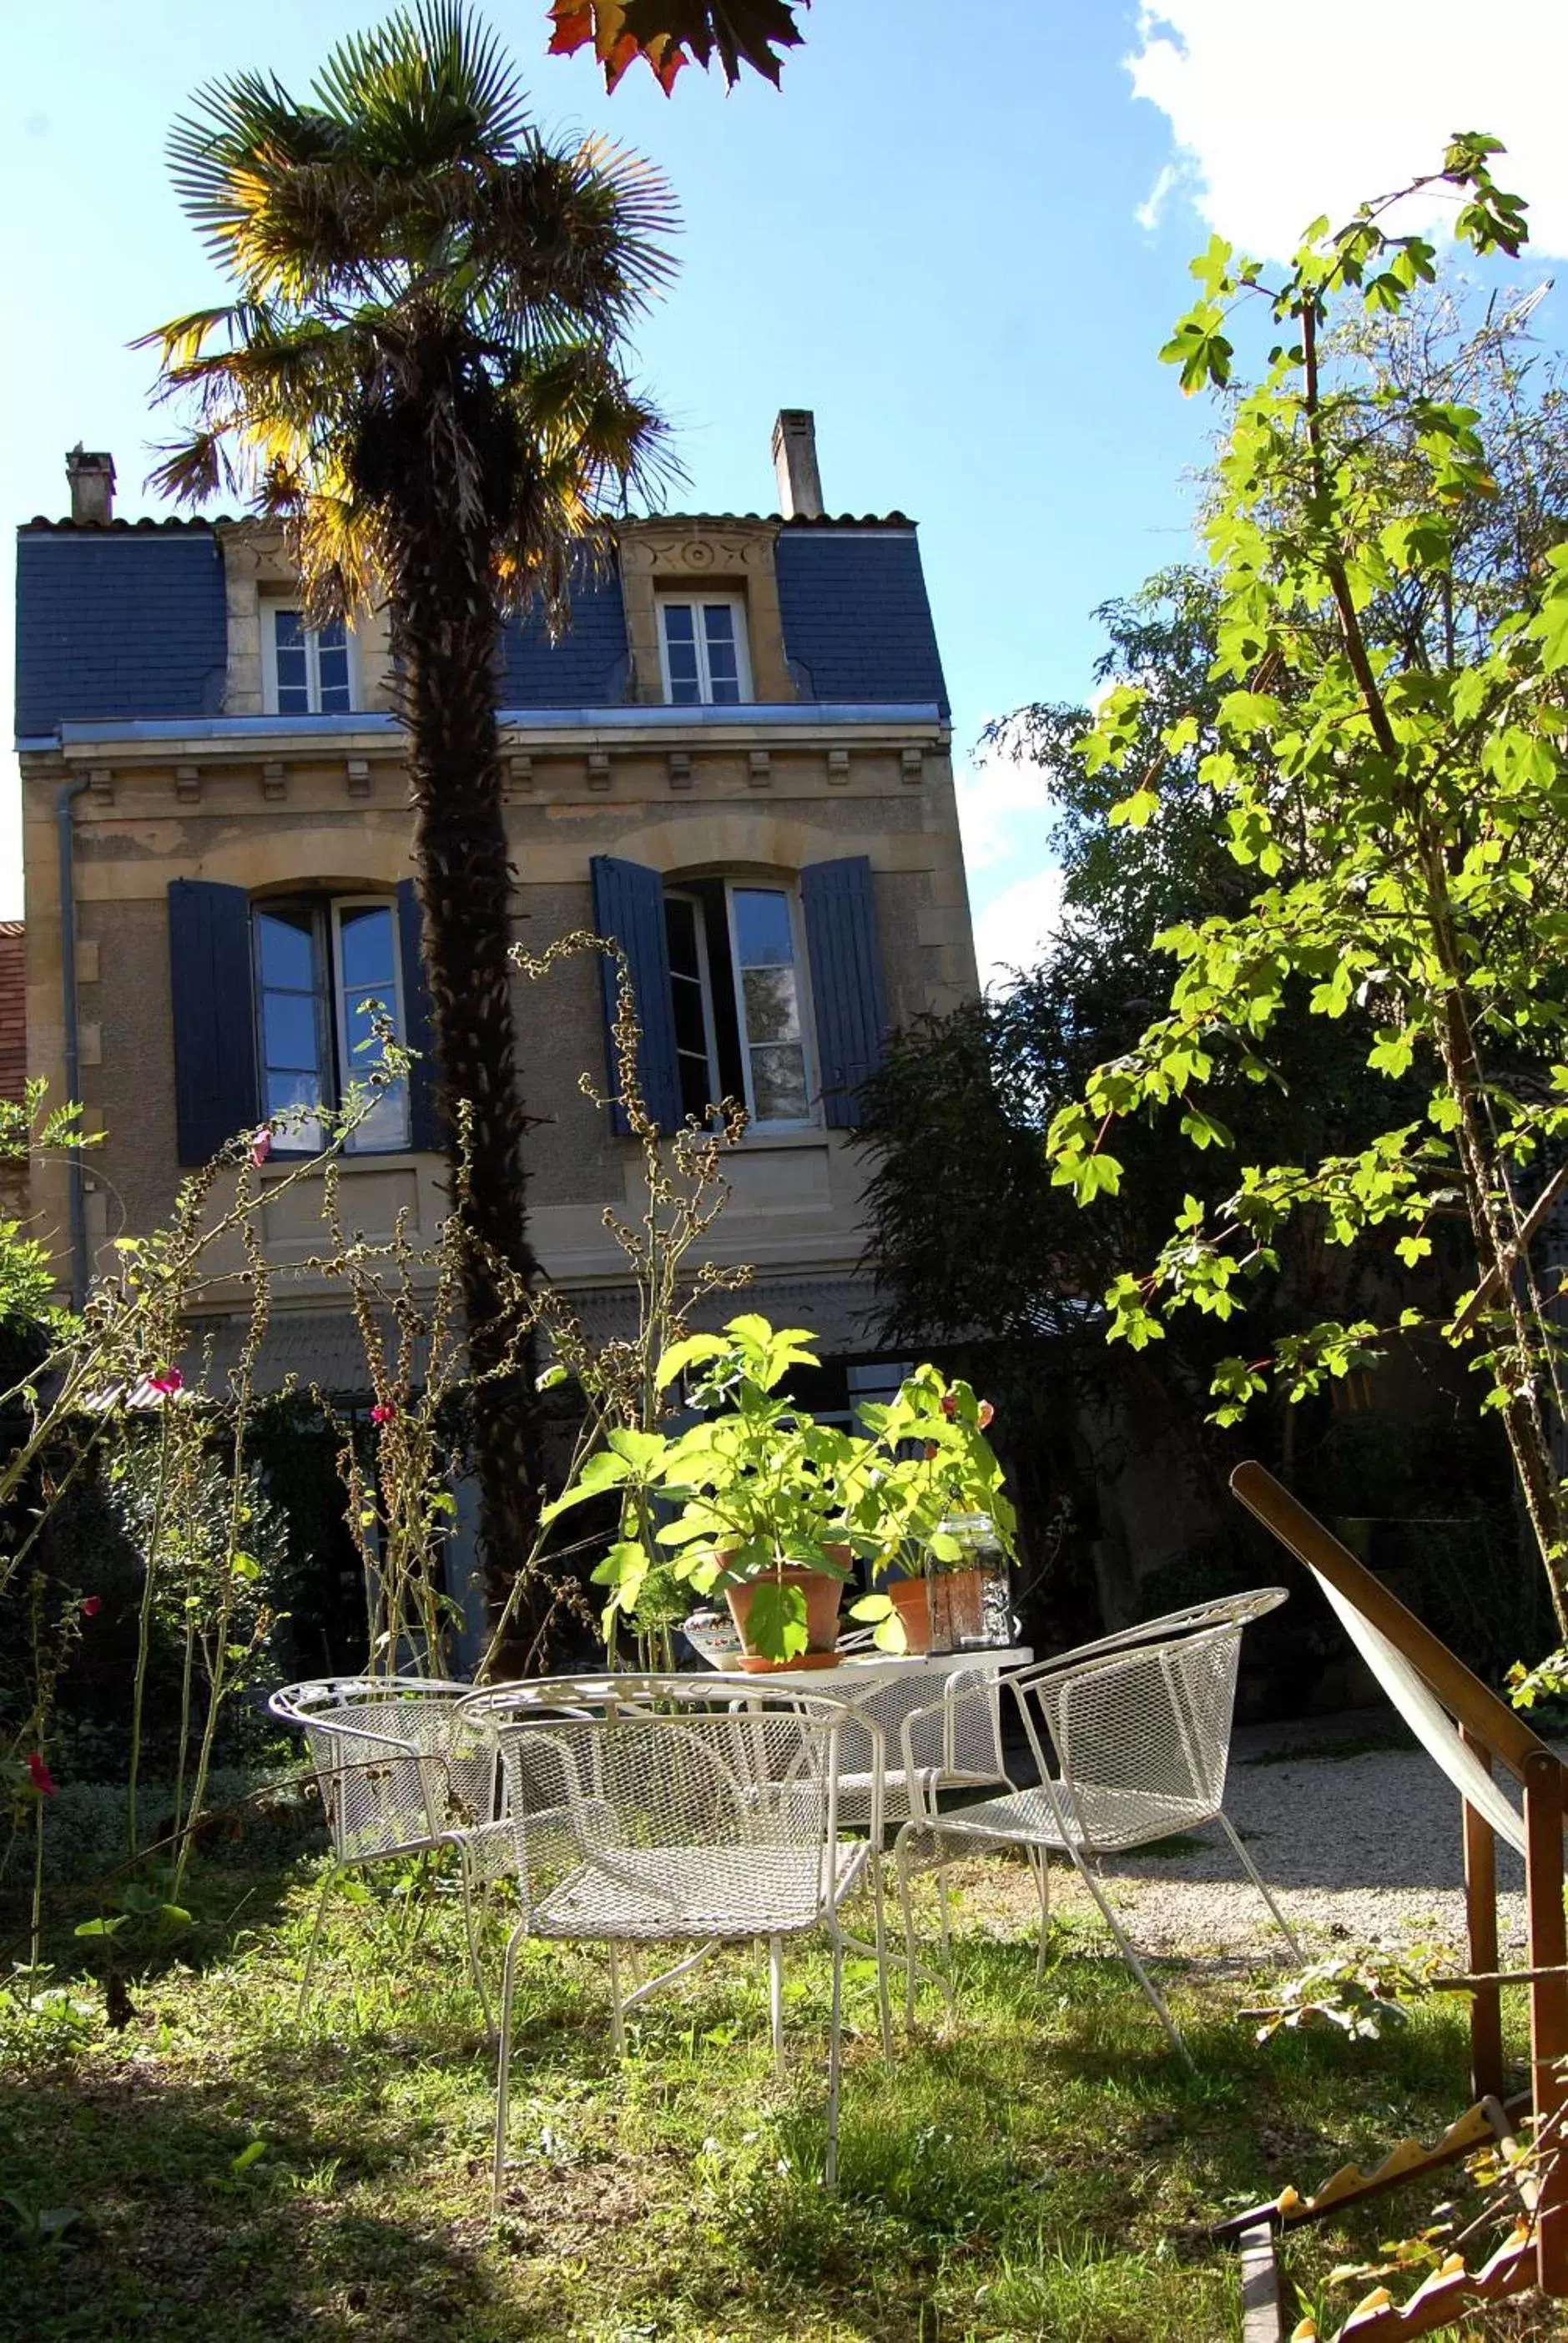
(260, 1146)
(167, 1384)
(42, 1781)
(986, 1414)
(91, 1605)
(383, 1413)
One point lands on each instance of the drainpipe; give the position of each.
(65, 838)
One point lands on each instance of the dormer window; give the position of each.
(702, 650)
(307, 671)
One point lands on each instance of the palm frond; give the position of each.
(242, 136)
(433, 297)
(184, 340)
(423, 89)
(193, 470)
(574, 230)
(587, 445)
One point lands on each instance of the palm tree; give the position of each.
(422, 374)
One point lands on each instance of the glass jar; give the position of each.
(971, 1598)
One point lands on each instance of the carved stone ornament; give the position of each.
(685, 552)
(256, 548)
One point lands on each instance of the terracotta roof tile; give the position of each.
(177, 524)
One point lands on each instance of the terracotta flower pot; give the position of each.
(912, 1603)
(823, 1595)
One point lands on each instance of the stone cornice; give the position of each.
(242, 740)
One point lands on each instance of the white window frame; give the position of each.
(812, 1117)
(338, 1041)
(305, 1138)
(737, 603)
(272, 610)
(705, 979)
(357, 1144)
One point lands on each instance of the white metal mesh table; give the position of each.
(955, 1746)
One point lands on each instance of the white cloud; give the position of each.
(1280, 111)
(1003, 811)
(1010, 929)
(1005, 818)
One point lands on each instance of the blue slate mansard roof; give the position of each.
(128, 621)
(856, 618)
(118, 622)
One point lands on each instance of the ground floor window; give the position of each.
(737, 972)
(325, 965)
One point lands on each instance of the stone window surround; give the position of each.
(257, 570)
(736, 556)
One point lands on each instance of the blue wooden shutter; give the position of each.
(215, 1088)
(426, 1124)
(629, 904)
(841, 907)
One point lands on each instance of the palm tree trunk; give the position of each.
(465, 889)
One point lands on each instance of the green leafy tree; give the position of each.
(1399, 799)
(422, 373)
(972, 1230)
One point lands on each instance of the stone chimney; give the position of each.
(795, 462)
(92, 479)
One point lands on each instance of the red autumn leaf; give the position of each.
(666, 32)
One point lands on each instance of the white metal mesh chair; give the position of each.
(656, 1810)
(954, 1742)
(399, 1773)
(1139, 1724)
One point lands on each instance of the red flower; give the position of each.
(931, 1450)
(42, 1781)
(91, 1605)
(260, 1146)
(169, 1383)
(986, 1414)
(383, 1413)
(950, 1405)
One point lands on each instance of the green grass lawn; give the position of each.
(1046, 2172)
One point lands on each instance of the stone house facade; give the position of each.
(738, 759)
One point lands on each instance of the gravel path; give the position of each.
(1361, 1844)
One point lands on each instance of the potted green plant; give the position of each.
(762, 1492)
(930, 1469)
(759, 1501)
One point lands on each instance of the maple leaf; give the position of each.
(665, 33)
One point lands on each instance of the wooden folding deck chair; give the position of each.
(1465, 1728)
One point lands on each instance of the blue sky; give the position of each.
(962, 251)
